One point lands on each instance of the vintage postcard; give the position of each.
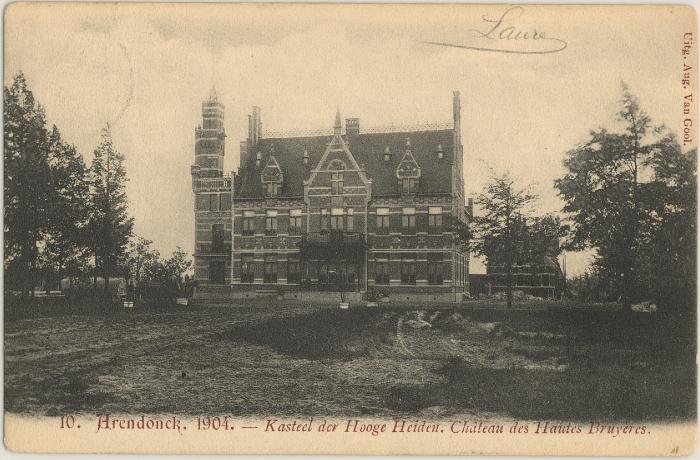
(350, 229)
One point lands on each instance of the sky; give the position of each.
(145, 69)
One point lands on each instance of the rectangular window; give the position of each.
(270, 269)
(324, 220)
(408, 185)
(293, 270)
(381, 271)
(383, 221)
(225, 202)
(217, 239)
(337, 219)
(408, 269)
(271, 188)
(408, 220)
(336, 183)
(323, 273)
(202, 202)
(213, 201)
(435, 219)
(435, 269)
(271, 222)
(295, 222)
(247, 269)
(349, 219)
(249, 222)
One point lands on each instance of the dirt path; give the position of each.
(286, 361)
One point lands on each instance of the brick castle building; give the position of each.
(377, 210)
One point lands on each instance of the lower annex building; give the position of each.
(375, 212)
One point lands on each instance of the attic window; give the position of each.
(272, 177)
(440, 152)
(387, 154)
(408, 185)
(258, 159)
(305, 158)
(271, 189)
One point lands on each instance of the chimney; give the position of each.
(456, 110)
(244, 153)
(258, 123)
(254, 127)
(352, 126)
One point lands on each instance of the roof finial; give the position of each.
(213, 96)
(338, 124)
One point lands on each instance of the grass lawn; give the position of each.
(292, 360)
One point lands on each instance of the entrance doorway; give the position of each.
(217, 272)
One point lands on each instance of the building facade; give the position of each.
(376, 213)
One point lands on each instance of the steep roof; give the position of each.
(367, 149)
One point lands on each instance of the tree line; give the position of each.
(629, 194)
(62, 217)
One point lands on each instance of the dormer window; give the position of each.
(271, 178)
(440, 152)
(258, 159)
(272, 189)
(408, 185)
(408, 172)
(387, 154)
(305, 158)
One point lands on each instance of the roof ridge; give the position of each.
(377, 129)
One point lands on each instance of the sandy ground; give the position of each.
(135, 363)
(189, 362)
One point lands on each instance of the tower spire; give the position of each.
(338, 126)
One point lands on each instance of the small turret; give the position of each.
(210, 138)
(213, 96)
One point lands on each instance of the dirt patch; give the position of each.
(377, 362)
(608, 393)
(325, 334)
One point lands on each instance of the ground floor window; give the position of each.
(270, 275)
(381, 272)
(408, 270)
(247, 269)
(293, 271)
(323, 223)
(323, 271)
(435, 269)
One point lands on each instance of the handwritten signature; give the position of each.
(508, 38)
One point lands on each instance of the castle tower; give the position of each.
(210, 139)
(212, 190)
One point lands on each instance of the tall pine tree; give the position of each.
(27, 182)
(110, 225)
(65, 249)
